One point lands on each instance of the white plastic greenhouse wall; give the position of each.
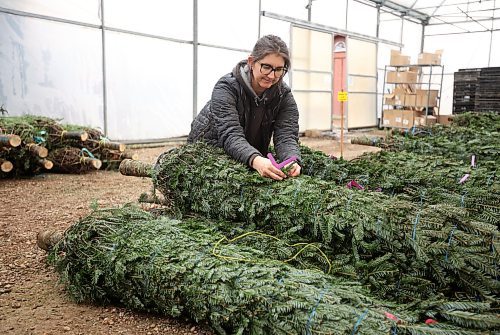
(141, 70)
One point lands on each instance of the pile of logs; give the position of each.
(30, 145)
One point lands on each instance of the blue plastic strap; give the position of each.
(449, 242)
(38, 139)
(358, 322)
(414, 233)
(313, 312)
(86, 151)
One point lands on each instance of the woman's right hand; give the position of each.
(266, 169)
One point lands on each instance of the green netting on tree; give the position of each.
(402, 249)
(168, 266)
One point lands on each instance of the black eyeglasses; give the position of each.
(266, 69)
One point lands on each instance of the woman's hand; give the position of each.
(293, 169)
(266, 169)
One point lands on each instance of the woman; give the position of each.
(249, 106)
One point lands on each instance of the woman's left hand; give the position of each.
(293, 169)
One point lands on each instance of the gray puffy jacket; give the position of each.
(243, 123)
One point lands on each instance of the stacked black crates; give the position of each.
(476, 90)
(464, 90)
(488, 90)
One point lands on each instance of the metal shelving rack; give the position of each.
(433, 70)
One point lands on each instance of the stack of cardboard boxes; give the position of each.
(409, 100)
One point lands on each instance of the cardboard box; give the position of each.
(396, 97)
(391, 118)
(427, 98)
(410, 100)
(402, 77)
(407, 118)
(397, 59)
(430, 120)
(427, 58)
(445, 119)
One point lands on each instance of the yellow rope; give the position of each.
(62, 134)
(305, 246)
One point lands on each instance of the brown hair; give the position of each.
(271, 44)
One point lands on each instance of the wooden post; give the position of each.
(5, 165)
(341, 97)
(130, 167)
(9, 140)
(341, 129)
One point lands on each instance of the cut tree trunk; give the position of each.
(129, 167)
(45, 163)
(93, 162)
(47, 239)
(37, 150)
(5, 165)
(75, 135)
(112, 145)
(10, 140)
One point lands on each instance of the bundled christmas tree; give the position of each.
(32, 144)
(479, 137)
(402, 249)
(420, 178)
(189, 267)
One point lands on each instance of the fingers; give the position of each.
(294, 169)
(268, 170)
(273, 173)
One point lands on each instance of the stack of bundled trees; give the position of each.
(394, 242)
(32, 144)
(471, 134)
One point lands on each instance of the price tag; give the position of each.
(341, 96)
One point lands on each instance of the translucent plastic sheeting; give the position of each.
(461, 51)
(361, 19)
(330, 13)
(361, 110)
(495, 49)
(446, 99)
(295, 8)
(312, 81)
(168, 18)
(149, 86)
(390, 27)
(457, 28)
(312, 107)
(275, 27)
(87, 11)
(228, 23)
(312, 50)
(51, 69)
(412, 39)
(213, 63)
(361, 60)
(362, 84)
(361, 57)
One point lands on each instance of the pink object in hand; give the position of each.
(282, 164)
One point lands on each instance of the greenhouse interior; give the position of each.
(351, 147)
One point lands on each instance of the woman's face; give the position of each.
(266, 71)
